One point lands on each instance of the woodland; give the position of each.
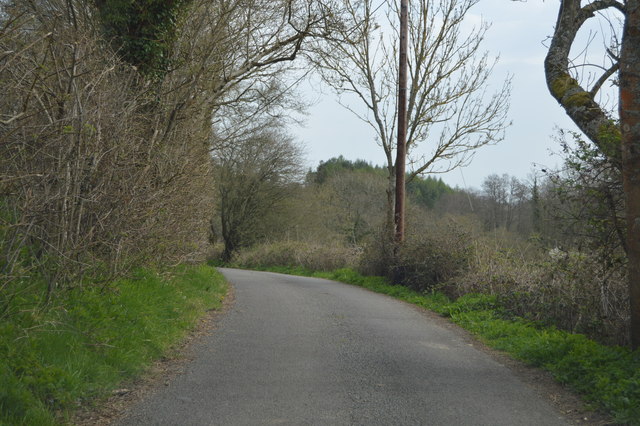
(151, 133)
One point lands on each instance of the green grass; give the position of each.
(607, 377)
(87, 342)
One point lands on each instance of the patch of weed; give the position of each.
(88, 340)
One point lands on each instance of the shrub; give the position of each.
(433, 258)
(377, 256)
(108, 172)
(573, 291)
(298, 254)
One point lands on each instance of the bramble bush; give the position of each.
(431, 256)
(573, 291)
(430, 260)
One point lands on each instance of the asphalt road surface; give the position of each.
(303, 351)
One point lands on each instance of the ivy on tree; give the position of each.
(142, 31)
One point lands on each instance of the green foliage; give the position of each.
(427, 191)
(336, 165)
(608, 377)
(423, 191)
(610, 140)
(142, 31)
(87, 341)
(472, 302)
(255, 178)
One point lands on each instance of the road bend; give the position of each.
(305, 351)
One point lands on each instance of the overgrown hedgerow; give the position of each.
(569, 290)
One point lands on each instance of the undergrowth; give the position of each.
(84, 343)
(608, 377)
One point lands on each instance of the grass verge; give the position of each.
(607, 377)
(86, 342)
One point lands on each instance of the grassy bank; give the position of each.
(84, 343)
(607, 377)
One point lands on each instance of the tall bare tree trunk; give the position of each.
(630, 126)
(401, 152)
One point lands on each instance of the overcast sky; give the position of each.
(517, 35)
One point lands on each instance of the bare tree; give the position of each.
(450, 114)
(618, 141)
(496, 191)
(354, 204)
(506, 198)
(254, 176)
(232, 49)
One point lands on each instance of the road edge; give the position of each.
(158, 375)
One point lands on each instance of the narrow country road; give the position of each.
(303, 351)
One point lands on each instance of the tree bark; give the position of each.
(630, 127)
(578, 102)
(620, 143)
